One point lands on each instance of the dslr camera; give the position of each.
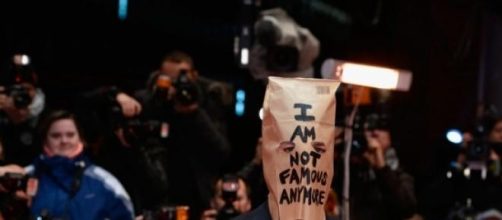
(186, 90)
(230, 187)
(137, 130)
(13, 181)
(19, 94)
(479, 148)
(361, 124)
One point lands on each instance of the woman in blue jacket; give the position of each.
(69, 185)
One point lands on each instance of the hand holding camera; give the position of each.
(375, 153)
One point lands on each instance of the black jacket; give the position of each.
(262, 213)
(385, 194)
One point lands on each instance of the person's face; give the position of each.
(496, 132)
(173, 69)
(242, 204)
(63, 138)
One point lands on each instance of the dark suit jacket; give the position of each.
(262, 213)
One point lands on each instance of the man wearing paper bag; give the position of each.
(298, 134)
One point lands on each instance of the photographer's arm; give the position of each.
(397, 186)
(94, 108)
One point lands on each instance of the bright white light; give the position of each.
(244, 56)
(240, 95)
(260, 114)
(25, 60)
(467, 173)
(239, 108)
(449, 174)
(364, 75)
(21, 59)
(454, 136)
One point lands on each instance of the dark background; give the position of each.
(81, 44)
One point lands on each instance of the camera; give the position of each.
(230, 187)
(361, 124)
(12, 182)
(186, 90)
(137, 130)
(479, 148)
(19, 94)
(12, 207)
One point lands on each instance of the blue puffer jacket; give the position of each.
(98, 195)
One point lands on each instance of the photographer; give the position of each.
(69, 185)
(379, 188)
(230, 199)
(21, 104)
(196, 145)
(195, 91)
(162, 143)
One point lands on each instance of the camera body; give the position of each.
(230, 187)
(13, 181)
(368, 123)
(480, 147)
(20, 95)
(186, 91)
(137, 130)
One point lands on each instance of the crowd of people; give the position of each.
(119, 155)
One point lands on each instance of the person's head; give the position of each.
(176, 62)
(495, 134)
(298, 137)
(242, 201)
(61, 135)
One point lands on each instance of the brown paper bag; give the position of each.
(298, 146)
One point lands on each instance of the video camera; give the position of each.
(229, 189)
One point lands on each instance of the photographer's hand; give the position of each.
(209, 214)
(11, 168)
(130, 107)
(375, 153)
